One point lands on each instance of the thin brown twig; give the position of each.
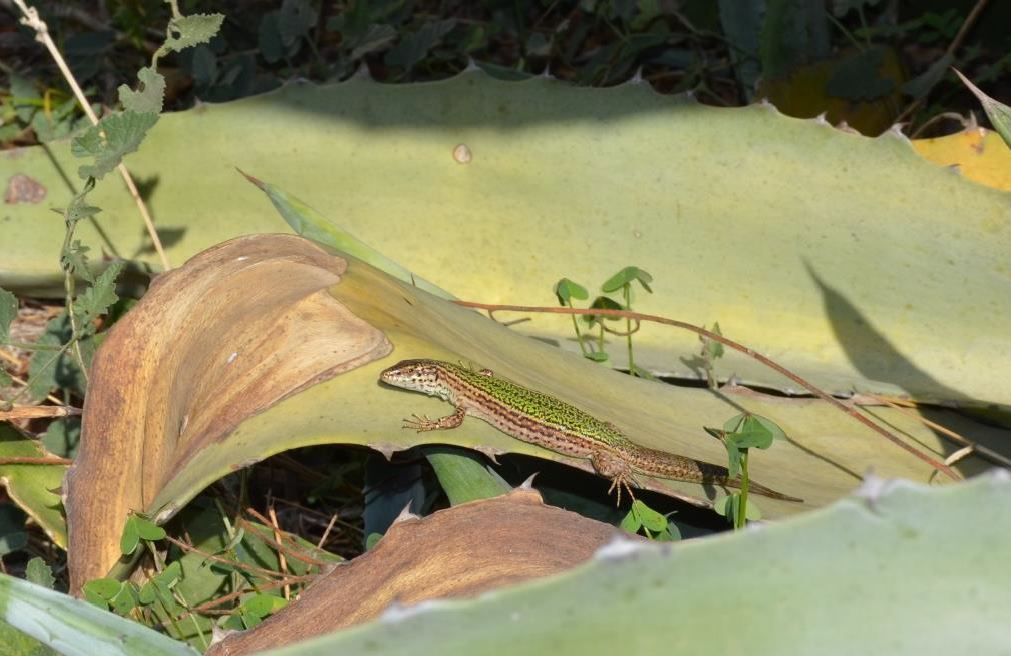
(326, 533)
(217, 601)
(310, 511)
(41, 460)
(24, 384)
(282, 562)
(38, 412)
(259, 571)
(278, 545)
(737, 347)
(955, 437)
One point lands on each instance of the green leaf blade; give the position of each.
(999, 113)
(8, 311)
(566, 290)
(148, 101)
(192, 30)
(40, 573)
(123, 134)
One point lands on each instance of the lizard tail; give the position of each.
(720, 476)
(758, 488)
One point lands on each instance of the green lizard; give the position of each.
(538, 418)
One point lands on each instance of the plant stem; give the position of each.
(579, 336)
(628, 328)
(69, 285)
(742, 508)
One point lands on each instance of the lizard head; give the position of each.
(416, 375)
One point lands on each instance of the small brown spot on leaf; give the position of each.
(23, 189)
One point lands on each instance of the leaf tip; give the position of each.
(256, 181)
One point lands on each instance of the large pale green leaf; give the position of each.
(75, 627)
(899, 569)
(17, 643)
(849, 259)
(291, 356)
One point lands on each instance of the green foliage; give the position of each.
(189, 578)
(858, 79)
(40, 573)
(999, 113)
(100, 592)
(138, 528)
(922, 84)
(622, 281)
(148, 101)
(25, 108)
(12, 530)
(224, 559)
(52, 366)
(8, 311)
(414, 46)
(602, 303)
(108, 142)
(63, 436)
(160, 587)
(733, 506)
(740, 433)
(372, 540)
(654, 525)
(63, 352)
(254, 609)
(97, 299)
(566, 290)
(188, 31)
(602, 43)
(794, 32)
(295, 19)
(119, 134)
(282, 32)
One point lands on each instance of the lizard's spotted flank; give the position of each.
(541, 419)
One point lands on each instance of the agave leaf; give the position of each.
(844, 257)
(76, 628)
(838, 581)
(291, 355)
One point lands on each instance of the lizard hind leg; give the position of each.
(616, 469)
(423, 423)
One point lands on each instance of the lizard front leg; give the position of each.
(424, 423)
(616, 469)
